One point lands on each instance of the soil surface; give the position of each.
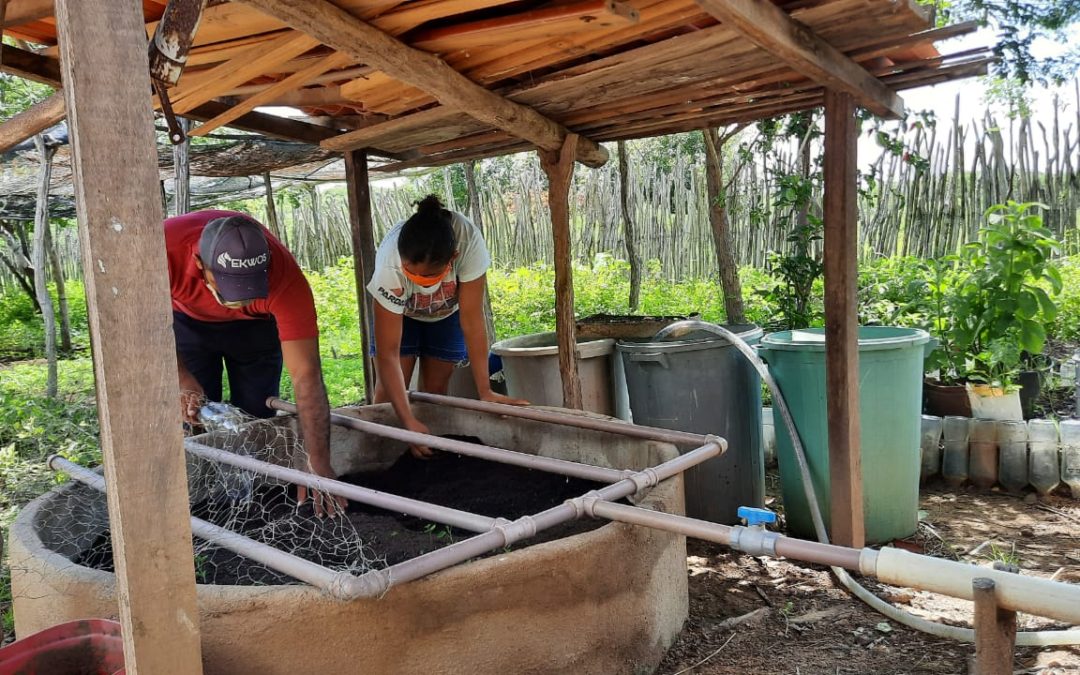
(757, 615)
(465, 483)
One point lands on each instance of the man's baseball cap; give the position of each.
(234, 249)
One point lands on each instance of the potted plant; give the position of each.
(993, 316)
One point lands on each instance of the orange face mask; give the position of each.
(426, 280)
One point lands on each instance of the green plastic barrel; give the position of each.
(890, 407)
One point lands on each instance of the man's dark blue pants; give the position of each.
(249, 351)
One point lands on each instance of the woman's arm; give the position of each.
(391, 381)
(471, 308)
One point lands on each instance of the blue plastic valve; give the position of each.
(756, 517)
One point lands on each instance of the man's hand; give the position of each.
(419, 451)
(190, 402)
(324, 504)
(495, 397)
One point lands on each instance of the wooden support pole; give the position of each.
(127, 292)
(559, 167)
(841, 322)
(995, 631)
(363, 244)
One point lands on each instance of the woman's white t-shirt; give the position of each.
(394, 291)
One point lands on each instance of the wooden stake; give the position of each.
(127, 293)
(41, 284)
(363, 245)
(995, 631)
(559, 167)
(841, 321)
(182, 172)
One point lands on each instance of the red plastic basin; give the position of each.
(85, 647)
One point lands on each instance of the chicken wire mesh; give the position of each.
(76, 523)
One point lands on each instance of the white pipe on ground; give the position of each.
(1052, 599)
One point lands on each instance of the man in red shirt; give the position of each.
(241, 303)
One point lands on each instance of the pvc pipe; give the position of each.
(1013, 591)
(565, 419)
(356, 493)
(377, 582)
(1034, 638)
(549, 464)
(280, 561)
(690, 527)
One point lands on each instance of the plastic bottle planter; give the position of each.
(1012, 455)
(930, 446)
(1043, 471)
(1070, 455)
(954, 465)
(983, 453)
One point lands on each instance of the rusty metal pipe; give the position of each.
(549, 464)
(565, 419)
(173, 38)
(440, 514)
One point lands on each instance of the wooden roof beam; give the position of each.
(47, 71)
(24, 11)
(338, 29)
(544, 23)
(771, 29)
(33, 120)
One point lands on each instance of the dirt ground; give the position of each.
(756, 615)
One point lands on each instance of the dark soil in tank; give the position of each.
(271, 515)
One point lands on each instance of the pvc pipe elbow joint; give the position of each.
(345, 586)
(718, 441)
(754, 540)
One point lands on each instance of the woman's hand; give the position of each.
(419, 451)
(495, 397)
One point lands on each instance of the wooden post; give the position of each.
(477, 216)
(363, 245)
(841, 322)
(628, 227)
(41, 281)
(107, 92)
(271, 208)
(995, 631)
(559, 167)
(182, 172)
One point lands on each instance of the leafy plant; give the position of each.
(796, 273)
(1001, 306)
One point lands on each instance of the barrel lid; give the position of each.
(698, 339)
(871, 338)
(546, 344)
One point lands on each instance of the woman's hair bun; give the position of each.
(429, 206)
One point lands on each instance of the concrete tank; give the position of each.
(611, 600)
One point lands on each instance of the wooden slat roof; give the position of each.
(607, 69)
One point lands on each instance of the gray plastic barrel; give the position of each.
(531, 366)
(704, 385)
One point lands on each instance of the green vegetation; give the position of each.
(895, 291)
